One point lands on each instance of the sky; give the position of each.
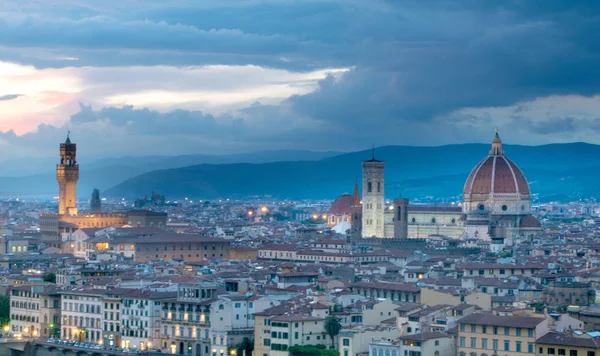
(141, 77)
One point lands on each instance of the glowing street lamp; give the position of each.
(264, 209)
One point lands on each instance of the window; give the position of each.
(462, 341)
(506, 331)
(369, 187)
(473, 342)
(346, 342)
(518, 332)
(530, 332)
(484, 344)
(551, 351)
(495, 345)
(562, 352)
(591, 353)
(506, 345)
(518, 346)
(573, 353)
(473, 328)
(495, 330)
(462, 327)
(530, 347)
(378, 187)
(483, 329)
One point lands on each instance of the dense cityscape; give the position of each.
(299, 178)
(366, 274)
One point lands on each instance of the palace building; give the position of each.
(496, 206)
(69, 219)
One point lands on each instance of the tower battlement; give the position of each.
(67, 176)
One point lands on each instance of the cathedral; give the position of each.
(496, 207)
(54, 226)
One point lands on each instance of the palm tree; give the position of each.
(332, 328)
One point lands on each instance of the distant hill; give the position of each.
(568, 170)
(36, 175)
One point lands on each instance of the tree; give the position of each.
(246, 345)
(50, 277)
(4, 310)
(332, 328)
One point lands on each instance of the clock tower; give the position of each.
(67, 175)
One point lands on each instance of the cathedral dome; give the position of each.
(342, 205)
(496, 186)
(496, 174)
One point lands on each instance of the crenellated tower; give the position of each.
(67, 175)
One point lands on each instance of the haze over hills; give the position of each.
(556, 170)
(37, 175)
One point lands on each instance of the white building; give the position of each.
(34, 311)
(82, 315)
(140, 318)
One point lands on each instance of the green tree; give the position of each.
(312, 350)
(246, 345)
(332, 328)
(4, 310)
(50, 277)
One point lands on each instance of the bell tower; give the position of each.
(67, 175)
(373, 207)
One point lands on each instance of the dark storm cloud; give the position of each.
(414, 63)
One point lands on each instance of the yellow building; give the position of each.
(555, 343)
(488, 334)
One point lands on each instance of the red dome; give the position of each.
(496, 174)
(530, 222)
(342, 205)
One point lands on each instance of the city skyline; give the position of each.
(259, 75)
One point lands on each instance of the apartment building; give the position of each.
(82, 315)
(35, 311)
(510, 335)
(141, 316)
(567, 344)
(393, 291)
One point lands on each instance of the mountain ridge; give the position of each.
(415, 171)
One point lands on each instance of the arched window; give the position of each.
(380, 352)
(437, 343)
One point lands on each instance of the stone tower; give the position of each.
(401, 218)
(95, 203)
(67, 175)
(373, 198)
(356, 214)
